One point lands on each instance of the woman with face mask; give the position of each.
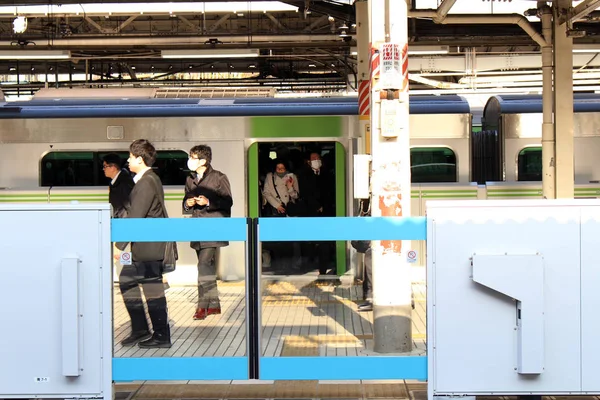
(280, 188)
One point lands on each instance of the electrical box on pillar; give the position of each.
(390, 111)
(361, 183)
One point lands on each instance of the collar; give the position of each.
(139, 175)
(197, 178)
(115, 178)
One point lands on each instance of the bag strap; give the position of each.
(275, 187)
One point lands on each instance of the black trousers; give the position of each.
(319, 253)
(208, 292)
(148, 275)
(367, 285)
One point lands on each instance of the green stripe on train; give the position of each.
(515, 195)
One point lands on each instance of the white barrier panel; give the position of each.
(56, 336)
(513, 298)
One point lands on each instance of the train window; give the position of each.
(529, 164)
(84, 168)
(432, 164)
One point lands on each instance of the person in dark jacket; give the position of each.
(207, 195)
(317, 190)
(146, 201)
(121, 184)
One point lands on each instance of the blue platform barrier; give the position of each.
(269, 229)
(344, 367)
(180, 230)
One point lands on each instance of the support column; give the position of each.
(548, 143)
(563, 103)
(364, 76)
(392, 323)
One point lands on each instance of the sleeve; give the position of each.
(269, 191)
(222, 200)
(186, 195)
(294, 191)
(140, 202)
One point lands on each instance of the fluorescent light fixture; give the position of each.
(428, 50)
(164, 8)
(210, 53)
(18, 54)
(586, 48)
(20, 25)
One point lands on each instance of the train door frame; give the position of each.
(342, 205)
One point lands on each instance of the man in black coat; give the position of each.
(121, 184)
(207, 195)
(317, 190)
(146, 201)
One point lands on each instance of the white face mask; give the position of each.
(316, 164)
(193, 164)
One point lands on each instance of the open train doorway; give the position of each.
(295, 179)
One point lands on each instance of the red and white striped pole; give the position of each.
(364, 74)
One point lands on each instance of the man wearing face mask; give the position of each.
(317, 188)
(207, 195)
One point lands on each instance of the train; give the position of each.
(51, 151)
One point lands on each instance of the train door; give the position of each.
(266, 160)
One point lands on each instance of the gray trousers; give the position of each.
(208, 294)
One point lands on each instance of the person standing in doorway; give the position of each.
(317, 188)
(146, 201)
(207, 195)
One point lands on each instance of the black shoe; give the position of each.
(365, 307)
(155, 343)
(135, 338)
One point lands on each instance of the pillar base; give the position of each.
(392, 327)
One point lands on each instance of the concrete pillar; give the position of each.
(390, 176)
(563, 103)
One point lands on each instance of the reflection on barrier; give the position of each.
(344, 367)
(182, 230)
(252, 232)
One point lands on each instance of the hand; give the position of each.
(201, 201)
(117, 254)
(281, 209)
(190, 202)
(290, 182)
(320, 209)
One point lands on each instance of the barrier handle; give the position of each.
(70, 316)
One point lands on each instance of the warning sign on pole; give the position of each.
(391, 66)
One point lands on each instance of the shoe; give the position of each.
(155, 342)
(202, 313)
(365, 307)
(135, 338)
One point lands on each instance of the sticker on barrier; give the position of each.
(411, 256)
(125, 258)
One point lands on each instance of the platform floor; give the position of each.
(274, 390)
(300, 318)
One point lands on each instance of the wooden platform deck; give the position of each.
(299, 318)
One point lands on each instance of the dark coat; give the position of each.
(215, 186)
(146, 202)
(317, 191)
(118, 194)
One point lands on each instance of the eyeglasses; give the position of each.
(107, 166)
